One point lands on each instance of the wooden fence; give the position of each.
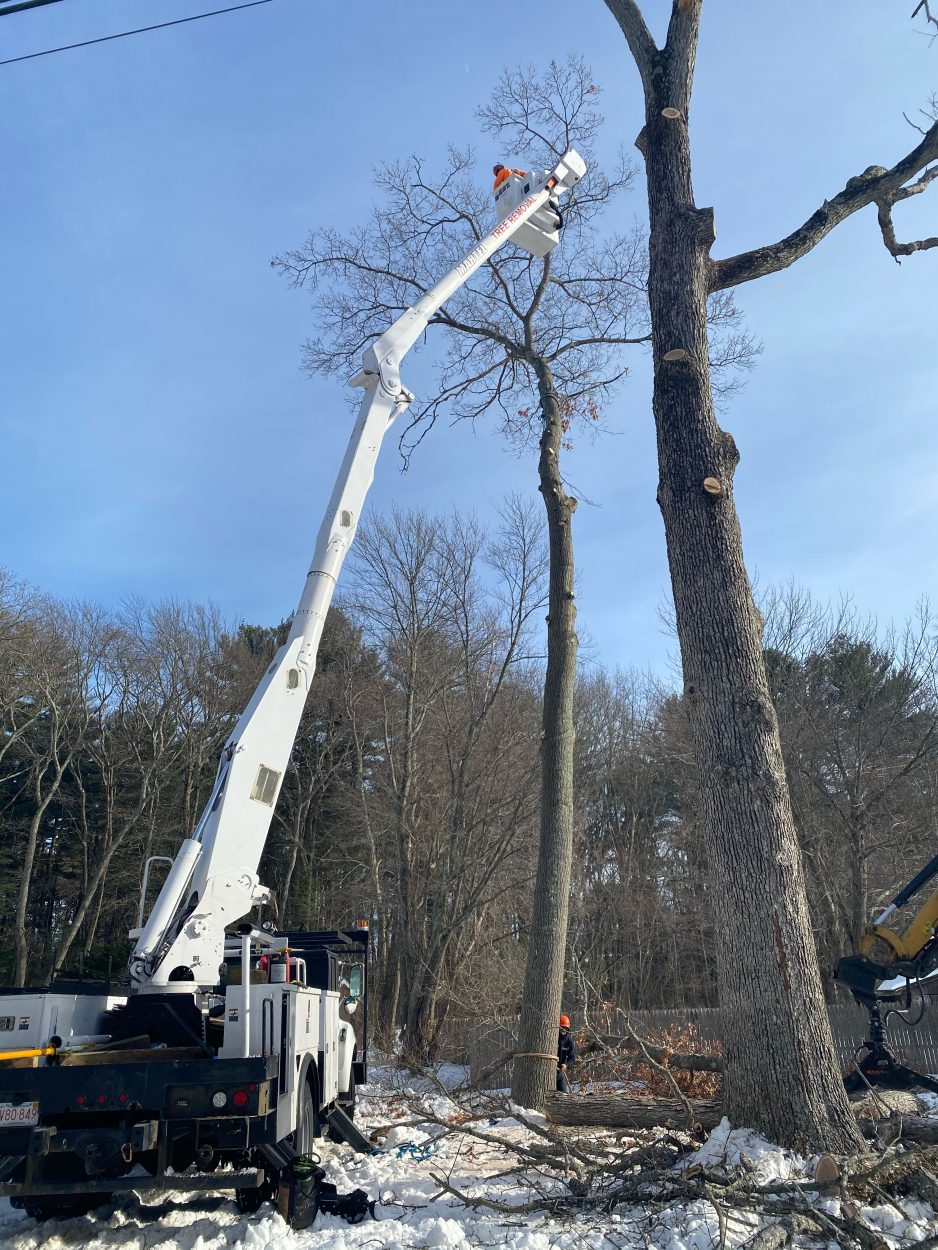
(483, 1045)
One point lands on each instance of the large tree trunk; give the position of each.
(533, 1075)
(781, 1071)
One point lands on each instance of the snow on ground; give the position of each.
(414, 1211)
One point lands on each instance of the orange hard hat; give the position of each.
(565, 1022)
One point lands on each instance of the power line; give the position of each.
(141, 30)
(25, 4)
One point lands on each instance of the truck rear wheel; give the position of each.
(306, 1121)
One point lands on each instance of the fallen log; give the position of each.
(629, 1111)
(640, 1111)
(920, 1129)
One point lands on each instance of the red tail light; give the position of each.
(239, 1098)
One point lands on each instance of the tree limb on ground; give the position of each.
(641, 1112)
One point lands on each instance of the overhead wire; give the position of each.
(141, 30)
(20, 5)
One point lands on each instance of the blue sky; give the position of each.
(158, 437)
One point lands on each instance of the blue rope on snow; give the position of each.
(411, 1150)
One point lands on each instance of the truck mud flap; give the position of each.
(349, 1132)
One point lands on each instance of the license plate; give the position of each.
(17, 1114)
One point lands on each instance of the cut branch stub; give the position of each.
(676, 353)
(672, 114)
(827, 1172)
(713, 486)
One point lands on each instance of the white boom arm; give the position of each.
(213, 881)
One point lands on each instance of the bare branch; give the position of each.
(638, 36)
(875, 185)
(681, 50)
(578, 309)
(885, 207)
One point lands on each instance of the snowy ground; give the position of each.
(414, 1210)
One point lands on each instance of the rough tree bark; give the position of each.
(781, 1073)
(533, 1076)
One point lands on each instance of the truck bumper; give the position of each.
(92, 1124)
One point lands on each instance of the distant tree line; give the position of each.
(412, 795)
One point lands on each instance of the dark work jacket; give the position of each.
(566, 1051)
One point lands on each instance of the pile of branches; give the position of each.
(646, 1174)
(662, 1063)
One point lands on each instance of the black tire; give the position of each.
(307, 1122)
(249, 1201)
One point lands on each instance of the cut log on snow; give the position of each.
(636, 1111)
(629, 1111)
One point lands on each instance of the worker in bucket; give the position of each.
(503, 173)
(566, 1055)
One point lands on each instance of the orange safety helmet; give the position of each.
(565, 1022)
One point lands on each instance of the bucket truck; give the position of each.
(234, 1047)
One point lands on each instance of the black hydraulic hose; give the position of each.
(929, 871)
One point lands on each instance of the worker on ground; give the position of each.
(566, 1055)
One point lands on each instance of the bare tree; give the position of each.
(137, 695)
(455, 785)
(66, 646)
(859, 723)
(781, 1069)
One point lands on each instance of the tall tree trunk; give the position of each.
(859, 877)
(781, 1071)
(533, 1076)
(20, 936)
(389, 1001)
(303, 804)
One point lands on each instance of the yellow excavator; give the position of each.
(888, 978)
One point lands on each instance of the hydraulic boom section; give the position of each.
(213, 881)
